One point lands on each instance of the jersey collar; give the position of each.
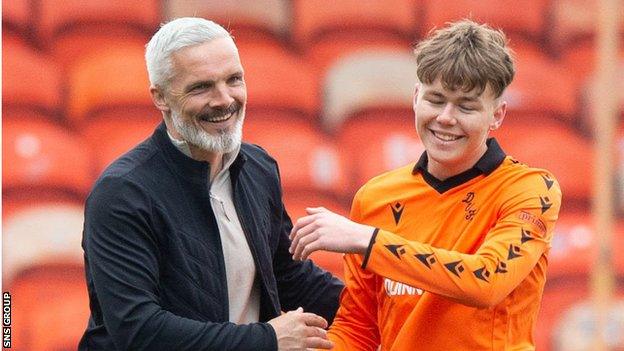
(492, 158)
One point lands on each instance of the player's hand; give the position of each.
(298, 330)
(323, 229)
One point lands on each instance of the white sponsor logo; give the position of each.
(398, 289)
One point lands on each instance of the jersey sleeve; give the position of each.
(510, 250)
(355, 326)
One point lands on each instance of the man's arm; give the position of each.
(508, 254)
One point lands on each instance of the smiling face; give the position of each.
(204, 103)
(454, 125)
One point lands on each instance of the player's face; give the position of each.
(454, 125)
(208, 95)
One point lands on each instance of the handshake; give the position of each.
(298, 330)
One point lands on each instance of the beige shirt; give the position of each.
(243, 290)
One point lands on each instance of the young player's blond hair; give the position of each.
(466, 55)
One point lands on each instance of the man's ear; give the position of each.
(499, 115)
(158, 98)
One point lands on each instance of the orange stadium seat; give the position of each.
(377, 141)
(22, 67)
(110, 138)
(364, 80)
(541, 87)
(574, 245)
(17, 15)
(306, 158)
(296, 202)
(332, 48)
(566, 322)
(277, 78)
(272, 16)
(314, 19)
(538, 142)
(39, 228)
(114, 79)
(55, 20)
(37, 154)
(527, 20)
(50, 307)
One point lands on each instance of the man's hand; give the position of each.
(323, 229)
(298, 330)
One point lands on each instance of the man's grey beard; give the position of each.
(224, 142)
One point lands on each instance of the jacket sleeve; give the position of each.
(355, 326)
(122, 258)
(301, 283)
(509, 252)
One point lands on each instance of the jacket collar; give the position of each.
(185, 166)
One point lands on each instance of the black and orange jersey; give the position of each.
(458, 264)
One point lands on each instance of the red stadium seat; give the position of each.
(40, 227)
(538, 142)
(276, 77)
(331, 48)
(377, 141)
(566, 321)
(114, 79)
(50, 307)
(17, 15)
(38, 154)
(314, 19)
(22, 67)
(305, 157)
(528, 20)
(271, 16)
(296, 201)
(541, 86)
(109, 138)
(75, 15)
(367, 79)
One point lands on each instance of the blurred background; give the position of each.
(329, 96)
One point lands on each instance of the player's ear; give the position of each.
(499, 115)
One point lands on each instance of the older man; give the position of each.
(186, 236)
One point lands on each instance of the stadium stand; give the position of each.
(16, 16)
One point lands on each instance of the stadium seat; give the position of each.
(272, 16)
(379, 140)
(38, 154)
(541, 87)
(114, 79)
(364, 80)
(528, 20)
(314, 19)
(24, 66)
(574, 245)
(75, 15)
(38, 228)
(277, 78)
(110, 138)
(50, 307)
(566, 322)
(331, 48)
(17, 16)
(296, 201)
(306, 158)
(538, 142)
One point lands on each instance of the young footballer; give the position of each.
(449, 253)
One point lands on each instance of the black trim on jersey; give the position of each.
(370, 248)
(493, 157)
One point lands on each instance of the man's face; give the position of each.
(454, 125)
(207, 96)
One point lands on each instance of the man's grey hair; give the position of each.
(173, 36)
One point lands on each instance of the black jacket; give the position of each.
(154, 264)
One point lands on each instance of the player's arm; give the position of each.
(509, 252)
